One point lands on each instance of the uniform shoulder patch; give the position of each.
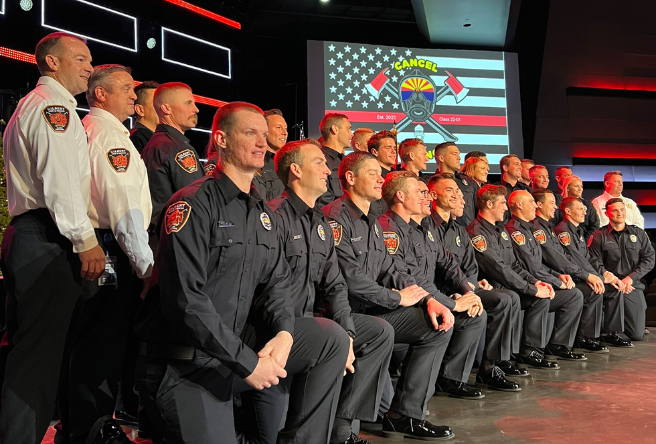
(337, 232)
(177, 215)
(209, 169)
(57, 117)
(187, 160)
(540, 236)
(518, 237)
(479, 242)
(565, 238)
(391, 241)
(119, 159)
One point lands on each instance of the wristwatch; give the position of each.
(351, 334)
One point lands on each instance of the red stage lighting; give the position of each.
(17, 55)
(201, 99)
(206, 13)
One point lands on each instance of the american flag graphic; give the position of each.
(437, 95)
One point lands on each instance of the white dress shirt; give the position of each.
(120, 196)
(633, 216)
(47, 161)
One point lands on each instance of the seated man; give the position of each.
(221, 260)
(310, 252)
(502, 305)
(376, 286)
(625, 251)
(429, 267)
(570, 236)
(568, 300)
(498, 264)
(613, 186)
(587, 281)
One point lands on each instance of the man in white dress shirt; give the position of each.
(120, 212)
(614, 184)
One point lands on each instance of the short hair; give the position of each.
(49, 45)
(568, 203)
(140, 91)
(163, 91)
(533, 170)
(489, 193)
(612, 201)
(224, 120)
(561, 168)
(272, 112)
(505, 161)
(441, 148)
(541, 194)
(469, 167)
(477, 154)
(328, 121)
(610, 174)
(375, 140)
(354, 163)
(409, 146)
(437, 178)
(395, 181)
(359, 133)
(288, 154)
(101, 77)
(528, 161)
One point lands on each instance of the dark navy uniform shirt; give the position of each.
(553, 254)
(333, 159)
(140, 135)
(469, 188)
(572, 239)
(267, 182)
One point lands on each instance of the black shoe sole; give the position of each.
(96, 428)
(508, 375)
(487, 386)
(586, 350)
(557, 367)
(608, 344)
(554, 357)
(401, 435)
(449, 395)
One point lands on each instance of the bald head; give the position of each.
(522, 205)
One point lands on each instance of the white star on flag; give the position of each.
(370, 56)
(363, 50)
(356, 83)
(365, 104)
(340, 69)
(349, 103)
(393, 51)
(363, 63)
(348, 76)
(340, 55)
(333, 89)
(333, 103)
(347, 62)
(363, 77)
(380, 105)
(371, 70)
(387, 98)
(395, 105)
(355, 56)
(356, 96)
(340, 96)
(379, 65)
(340, 82)
(331, 48)
(378, 50)
(349, 90)
(356, 70)
(408, 52)
(332, 75)
(331, 61)
(347, 48)
(394, 78)
(385, 58)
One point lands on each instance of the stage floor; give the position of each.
(608, 398)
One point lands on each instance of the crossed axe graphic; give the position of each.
(451, 86)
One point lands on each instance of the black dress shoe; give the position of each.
(126, 418)
(614, 340)
(495, 379)
(510, 369)
(456, 389)
(355, 439)
(590, 346)
(536, 360)
(414, 428)
(561, 352)
(107, 431)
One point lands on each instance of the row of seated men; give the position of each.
(298, 301)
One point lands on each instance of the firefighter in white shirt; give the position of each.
(50, 245)
(614, 184)
(120, 213)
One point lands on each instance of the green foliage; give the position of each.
(4, 212)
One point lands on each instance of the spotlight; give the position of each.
(26, 5)
(151, 42)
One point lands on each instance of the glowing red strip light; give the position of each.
(17, 55)
(206, 13)
(200, 99)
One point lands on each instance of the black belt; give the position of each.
(179, 352)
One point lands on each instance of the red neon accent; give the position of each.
(200, 99)
(206, 13)
(17, 55)
(613, 151)
(625, 84)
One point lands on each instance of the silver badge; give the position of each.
(633, 238)
(430, 237)
(376, 230)
(465, 182)
(458, 241)
(322, 234)
(266, 222)
(504, 235)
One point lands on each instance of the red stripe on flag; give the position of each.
(442, 119)
(370, 116)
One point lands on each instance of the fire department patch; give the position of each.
(209, 169)
(322, 234)
(504, 235)
(337, 232)
(57, 117)
(391, 241)
(519, 238)
(430, 236)
(119, 159)
(176, 216)
(479, 243)
(540, 236)
(565, 238)
(187, 161)
(266, 221)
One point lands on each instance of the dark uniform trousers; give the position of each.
(421, 364)
(360, 391)
(461, 352)
(567, 306)
(635, 312)
(95, 347)
(181, 391)
(42, 280)
(503, 334)
(592, 314)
